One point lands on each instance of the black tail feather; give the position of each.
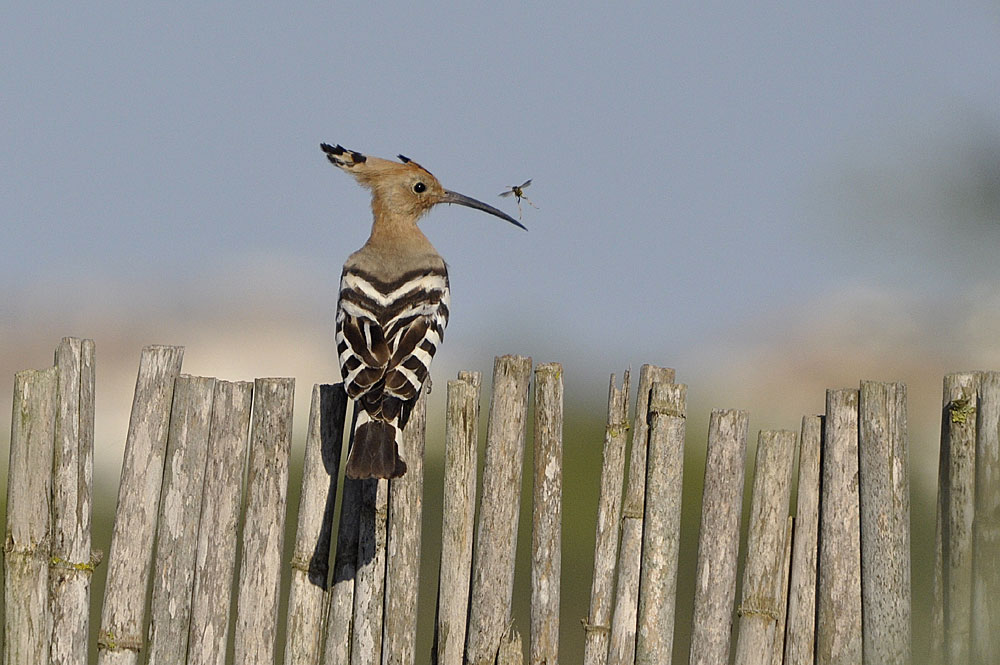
(375, 453)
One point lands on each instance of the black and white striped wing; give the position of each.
(415, 339)
(387, 335)
(362, 350)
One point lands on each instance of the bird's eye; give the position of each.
(419, 187)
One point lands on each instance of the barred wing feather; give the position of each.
(387, 335)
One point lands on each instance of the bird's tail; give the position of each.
(375, 452)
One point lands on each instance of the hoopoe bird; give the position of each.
(393, 305)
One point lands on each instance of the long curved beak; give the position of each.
(468, 201)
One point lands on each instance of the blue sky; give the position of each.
(771, 199)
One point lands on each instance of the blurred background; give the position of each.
(772, 200)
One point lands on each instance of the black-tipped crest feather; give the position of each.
(336, 153)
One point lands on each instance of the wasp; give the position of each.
(518, 192)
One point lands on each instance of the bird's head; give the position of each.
(404, 188)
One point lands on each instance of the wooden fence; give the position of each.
(830, 584)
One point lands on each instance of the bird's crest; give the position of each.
(401, 189)
(407, 160)
(342, 157)
(370, 170)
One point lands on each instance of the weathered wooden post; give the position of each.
(885, 523)
(985, 647)
(130, 560)
(267, 487)
(215, 559)
(402, 576)
(28, 622)
(661, 524)
(801, 618)
(623, 622)
(546, 532)
(72, 562)
(307, 597)
(458, 517)
(761, 606)
(778, 646)
(838, 622)
(956, 508)
(177, 526)
(598, 623)
(496, 536)
(340, 615)
(511, 648)
(369, 580)
(719, 537)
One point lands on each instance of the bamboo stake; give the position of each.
(623, 623)
(458, 519)
(801, 628)
(662, 523)
(496, 536)
(761, 606)
(719, 537)
(838, 615)
(177, 527)
(402, 577)
(369, 581)
(598, 623)
(215, 558)
(956, 508)
(264, 530)
(985, 646)
(546, 532)
(320, 471)
(27, 621)
(885, 523)
(130, 560)
(72, 562)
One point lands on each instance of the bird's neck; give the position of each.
(398, 232)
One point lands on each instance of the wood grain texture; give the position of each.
(761, 607)
(546, 530)
(458, 518)
(215, 557)
(661, 524)
(369, 580)
(719, 537)
(952, 613)
(307, 596)
(801, 617)
(263, 535)
(340, 615)
(499, 510)
(130, 560)
(27, 620)
(885, 523)
(623, 623)
(402, 576)
(985, 647)
(72, 562)
(609, 509)
(177, 526)
(838, 596)
(778, 646)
